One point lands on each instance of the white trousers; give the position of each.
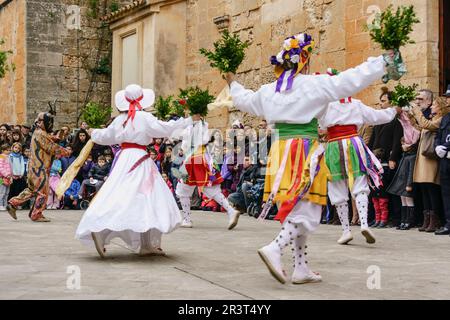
(338, 190)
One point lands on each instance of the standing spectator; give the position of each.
(175, 169)
(4, 135)
(84, 126)
(81, 138)
(426, 170)
(169, 184)
(5, 176)
(25, 129)
(166, 165)
(18, 166)
(443, 151)
(17, 137)
(154, 157)
(385, 143)
(55, 177)
(67, 161)
(402, 183)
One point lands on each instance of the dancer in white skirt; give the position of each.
(135, 203)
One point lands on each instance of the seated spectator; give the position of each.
(209, 204)
(86, 168)
(71, 198)
(249, 175)
(97, 176)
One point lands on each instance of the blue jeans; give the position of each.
(239, 198)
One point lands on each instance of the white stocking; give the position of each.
(362, 204)
(289, 232)
(300, 255)
(221, 200)
(186, 208)
(342, 211)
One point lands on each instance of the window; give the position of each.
(130, 60)
(444, 44)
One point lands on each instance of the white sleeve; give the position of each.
(107, 136)
(162, 129)
(375, 117)
(332, 88)
(205, 133)
(246, 100)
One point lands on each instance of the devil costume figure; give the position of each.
(43, 151)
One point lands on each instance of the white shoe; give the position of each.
(310, 277)
(234, 218)
(272, 259)
(187, 224)
(345, 238)
(367, 233)
(99, 245)
(151, 252)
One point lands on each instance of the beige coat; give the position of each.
(426, 170)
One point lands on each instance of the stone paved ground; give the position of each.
(209, 262)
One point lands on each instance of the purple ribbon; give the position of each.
(280, 81)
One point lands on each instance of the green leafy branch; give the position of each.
(392, 30)
(196, 99)
(4, 65)
(403, 95)
(96, 114)
(228, 54)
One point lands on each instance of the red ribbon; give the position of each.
(134, 104)
(342, 132)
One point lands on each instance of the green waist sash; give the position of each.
(297, 130)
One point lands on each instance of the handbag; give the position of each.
(428, 151)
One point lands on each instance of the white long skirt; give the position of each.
(130, 204)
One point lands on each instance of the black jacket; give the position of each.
(98, 172)
(386, 138)
(251, 174)
(443, 139)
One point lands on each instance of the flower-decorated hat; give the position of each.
(291, 60)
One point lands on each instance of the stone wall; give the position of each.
(12, 86)
(60, 59)
(337, 27)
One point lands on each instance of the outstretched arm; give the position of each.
(372, 116)
(160, 128)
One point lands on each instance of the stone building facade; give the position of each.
(337, 26)
(61, 52)
(156, 43)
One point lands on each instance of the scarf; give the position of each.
(17, 164)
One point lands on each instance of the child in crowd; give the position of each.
(209, 204)
(97, 176)
(55, 177)
(5, 176)
(71, 198)
(18, 167)
(169, 184)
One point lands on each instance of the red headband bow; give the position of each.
(134, 104)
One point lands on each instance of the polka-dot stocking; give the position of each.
(342, 211)
(186, 208)
(287, 235)
(300, 255)
(362, 204)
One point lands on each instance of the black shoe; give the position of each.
(374, 224)
(382, 225)
(443, 232)
(406, 226)
(12, 211)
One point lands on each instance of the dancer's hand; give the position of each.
(229, 77)
(409, 189)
